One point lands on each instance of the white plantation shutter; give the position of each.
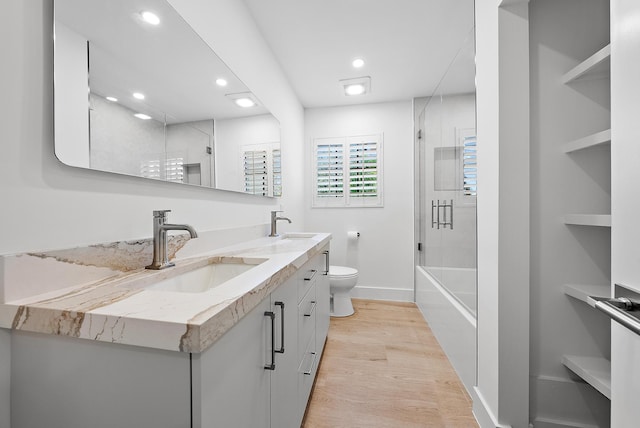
(330, 170)
(348, 171)
(255, 172)
(262, 169)
(470, 167)
(150, 169)
(174, 169)
(169, 169)
(363, 169)
(277, 172)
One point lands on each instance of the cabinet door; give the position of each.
(64, 382)
(231, 386)
(284, 384)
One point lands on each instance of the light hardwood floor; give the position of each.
(383, 368)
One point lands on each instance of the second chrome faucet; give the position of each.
(274, 220)
(160, 228)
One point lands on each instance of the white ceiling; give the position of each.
(407, 45)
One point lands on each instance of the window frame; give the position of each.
(348, 199)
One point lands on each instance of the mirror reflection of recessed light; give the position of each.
(245, 102)
(221, 82)
(357, 89)
(138, 96)
(150, 17)
(142, 116)
(243, 99)
(358, 63)
(112, 99)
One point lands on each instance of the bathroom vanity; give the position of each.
(231, 338)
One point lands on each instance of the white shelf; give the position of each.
(584, 291)
(599, 138)
(596, 371)
(602, 220)
(596, 66)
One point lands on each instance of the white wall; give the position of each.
(49, 205)
(502, 78)
(384, 252)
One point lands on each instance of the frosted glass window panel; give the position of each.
(447, 168)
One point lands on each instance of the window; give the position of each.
(169, 169)
(262, 169)
(469, 167)
(347, 171)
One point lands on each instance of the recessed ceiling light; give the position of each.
(138, 95)
(221, 82)
(142, 116)
(358, 63)
(357, 86)
(150, 17)
(112, 99)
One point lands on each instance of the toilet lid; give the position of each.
(342, 271)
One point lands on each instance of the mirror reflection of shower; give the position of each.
(446, 150)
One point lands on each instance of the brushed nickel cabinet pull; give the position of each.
(281, 350)
(272, 366)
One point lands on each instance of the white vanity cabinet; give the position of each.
(259, 374)
(235, 384)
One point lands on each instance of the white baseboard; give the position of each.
(551, 423)
(380, 293)
(482, 412)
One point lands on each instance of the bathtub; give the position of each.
(451, 317)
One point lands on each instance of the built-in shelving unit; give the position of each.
(600, 220)
(584, 292)
(596, 371)
(593, 140)
(596, 66)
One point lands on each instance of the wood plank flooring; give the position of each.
(383, 368)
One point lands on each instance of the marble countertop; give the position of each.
(120, 306)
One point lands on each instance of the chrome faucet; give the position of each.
(160, 228)
(274, 219)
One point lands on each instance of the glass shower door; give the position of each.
(447, 181)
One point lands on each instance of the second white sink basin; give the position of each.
(202, 279)
(298, 235)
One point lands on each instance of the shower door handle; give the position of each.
(451, 215)
(433, 215)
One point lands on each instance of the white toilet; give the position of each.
(341, 281)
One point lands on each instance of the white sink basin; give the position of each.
(298, 235)
(202, 279)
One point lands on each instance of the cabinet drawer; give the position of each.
(306, 374)
(307, 277)
(306, 319)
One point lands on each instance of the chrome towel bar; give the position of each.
(623, 310)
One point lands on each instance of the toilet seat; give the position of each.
(342, 272)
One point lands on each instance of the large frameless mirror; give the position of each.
(138, 92)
